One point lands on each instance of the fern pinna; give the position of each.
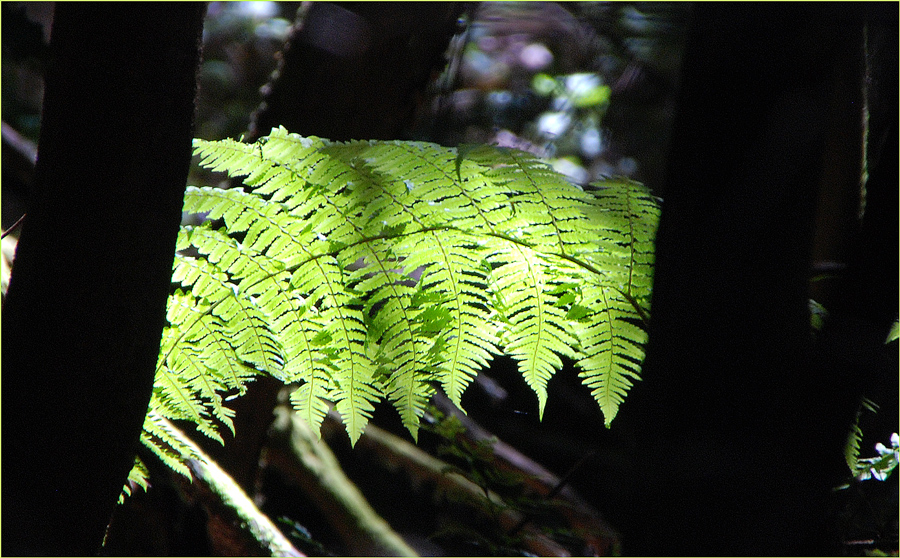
(367, 270)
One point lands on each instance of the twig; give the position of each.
(13, 227)
(559, 486)
(23, 147)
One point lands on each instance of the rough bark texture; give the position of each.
(87, 298)
(740, 425)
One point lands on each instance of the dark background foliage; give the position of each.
(744, 118)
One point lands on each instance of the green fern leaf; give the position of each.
(536, 329)
(368, 270)
(166, 444)
(137, 477)
(612, 347)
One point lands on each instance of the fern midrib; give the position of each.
(296, 175)
(518, 245)
(458, 346)
(540, 192)
(462, 191)
(631, 241)
(260, 344)
(457, 351)
(188, 401)
(608, 391)
(539, 297)
(268, 275)
(406, 318)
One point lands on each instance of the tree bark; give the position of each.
(87, 298)
(739, 427)
(358, 70)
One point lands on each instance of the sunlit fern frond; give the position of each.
(364, 271)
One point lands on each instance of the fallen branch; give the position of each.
(395, 452)
(596, 533)
(235, 523)
(309, 463)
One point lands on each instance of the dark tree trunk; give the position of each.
(86, 304)
(740, 428)
(358, 70)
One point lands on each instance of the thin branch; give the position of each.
(13, 227)
(23, 147)
(558, 487)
